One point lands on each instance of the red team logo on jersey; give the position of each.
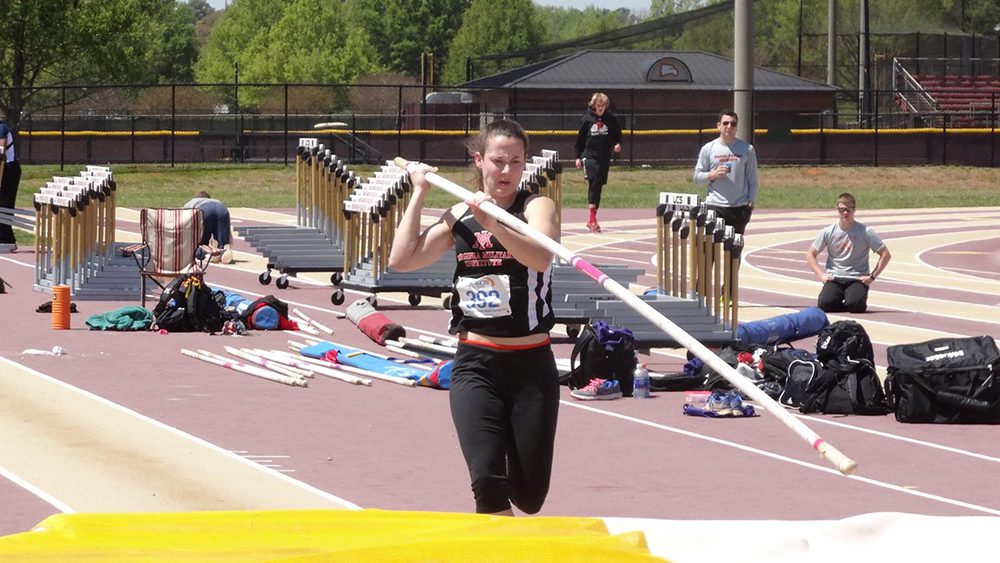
(483, 240)
(843, 244)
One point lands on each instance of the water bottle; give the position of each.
(640, 382)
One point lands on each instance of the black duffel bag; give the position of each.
(947, 381)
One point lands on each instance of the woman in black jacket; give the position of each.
(599, 136)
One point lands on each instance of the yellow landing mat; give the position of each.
(320, 535)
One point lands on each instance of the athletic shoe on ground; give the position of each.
(735, 402)
(597, 227)
(719, 403)
(598, 390)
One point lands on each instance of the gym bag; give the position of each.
(947, 380)
(801, 373)
(844, 341)
(845, 388)
(606, 352)
(776, 364)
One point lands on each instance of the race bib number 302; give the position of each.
(485, 297)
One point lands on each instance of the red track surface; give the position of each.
(393, 447)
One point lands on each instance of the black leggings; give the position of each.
(505, 405)
(8, 196)
(596, 172)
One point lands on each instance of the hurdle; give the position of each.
(372, 211)
(697, 270)
(689, 274)
(316, 242)
(75, 238)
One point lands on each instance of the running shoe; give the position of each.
(720, 404)
(596, 227)
(735, 401)
(598, 390)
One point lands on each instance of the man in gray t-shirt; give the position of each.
(847, 277)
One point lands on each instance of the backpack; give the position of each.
(187, 304)
(776, 364)
(799, 379)
(845, 388)
(844, 341)
(606, 352)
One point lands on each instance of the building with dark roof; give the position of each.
(670, 89)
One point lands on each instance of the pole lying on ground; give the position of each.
(314, 323)
(269, 364)
(843, 463)
(351, 369)
(329, 371)
(243, 368)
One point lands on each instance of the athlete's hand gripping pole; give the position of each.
(843, 463)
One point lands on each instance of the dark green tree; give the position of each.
(401, 30)
(55, 43)
(201, 8)
(227, 44)
(491, 26)
(563, 24)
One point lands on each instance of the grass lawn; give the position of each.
(782, 187)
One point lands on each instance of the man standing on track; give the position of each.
(599, 136)
(846, 279)
(729, 166)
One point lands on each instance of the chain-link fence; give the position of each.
(368, 123)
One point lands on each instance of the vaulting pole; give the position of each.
(843, 463)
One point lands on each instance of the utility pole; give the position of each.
(865, 67)
(831, 42)
(743, 68)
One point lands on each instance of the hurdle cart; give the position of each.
(315, 243)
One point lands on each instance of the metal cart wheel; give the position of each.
(282, 282)
(264, 278)
(414, 299)
(338, 297)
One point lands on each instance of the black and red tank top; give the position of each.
(494, 294)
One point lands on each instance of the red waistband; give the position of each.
(495, 346)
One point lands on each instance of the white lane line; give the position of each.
(925, 443)
(204, 443)
(24, 484)
(779, 457)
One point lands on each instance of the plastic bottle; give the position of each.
(640, 382)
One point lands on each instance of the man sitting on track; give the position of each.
(846, 279)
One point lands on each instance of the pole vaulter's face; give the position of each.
(502, 166)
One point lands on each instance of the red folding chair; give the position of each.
(170, 246)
